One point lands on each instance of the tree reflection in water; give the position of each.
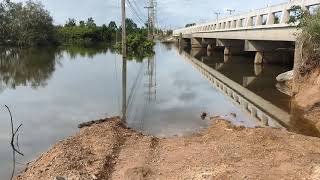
(26, 67)
(33, 67)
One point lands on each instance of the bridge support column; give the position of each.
(210, 47)
(231, 47)
(227, 51)
(270, 51)
(258, 58)
(258, 69)
(210, 44)
(183, 42)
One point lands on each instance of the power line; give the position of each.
(135, 11)
(138, 9)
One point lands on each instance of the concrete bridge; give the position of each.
(262, 31)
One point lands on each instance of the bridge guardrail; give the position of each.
(276, 16)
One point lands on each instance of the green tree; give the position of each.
(71, 22)
(112, 26)
(82, 24)
(25, 24)
(190, 24)
(90, 23)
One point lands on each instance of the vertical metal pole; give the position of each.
(124, 62)
(149, 18)
(123, 12)
(149, 23)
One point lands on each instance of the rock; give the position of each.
(233, 115)
(141, 173)
(284, 77)
(204, 115)
(282, 87)
(59, 178)
(94, 176)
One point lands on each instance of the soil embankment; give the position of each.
(110, 151)
(306, 82)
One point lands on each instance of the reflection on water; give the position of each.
(26, 67)
(50, 91)
(261, 80)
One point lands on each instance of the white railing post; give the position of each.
(285, 16)
(270, 19)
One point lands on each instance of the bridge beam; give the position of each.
(251, 45)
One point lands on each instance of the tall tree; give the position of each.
(90, 23)
(71, 22)
(112, 25)
(25, 24)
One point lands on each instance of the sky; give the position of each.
(171, 13)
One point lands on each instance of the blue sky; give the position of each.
(171, 13)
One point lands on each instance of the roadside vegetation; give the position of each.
(29, 24)
(309, 23)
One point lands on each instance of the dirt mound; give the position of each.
(111, 151)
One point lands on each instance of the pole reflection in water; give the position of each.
(142, 94)
(124, 89)
(149, 90)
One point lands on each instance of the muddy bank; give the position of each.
(111, 151)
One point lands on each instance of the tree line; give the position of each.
(30, 24)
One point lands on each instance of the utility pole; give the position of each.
(231, 11)
(149, 20)
(124, 62)
(217, 15)
(154, 17)
(123, 13)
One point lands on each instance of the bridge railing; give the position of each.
(276, 16)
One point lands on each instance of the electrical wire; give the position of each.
(134, 11)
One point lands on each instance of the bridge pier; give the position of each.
(269, 51)
(258, 59)
(227, 51)
(183, 42)
(231, 47)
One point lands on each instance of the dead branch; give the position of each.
(13, 132)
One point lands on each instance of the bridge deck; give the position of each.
(269, 23)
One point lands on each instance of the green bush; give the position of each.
(138, 46)
(309, 24)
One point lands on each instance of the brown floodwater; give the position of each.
(50, 91)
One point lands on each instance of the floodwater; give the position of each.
(50, 91)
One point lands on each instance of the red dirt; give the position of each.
(222, 151)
